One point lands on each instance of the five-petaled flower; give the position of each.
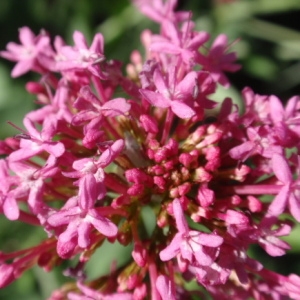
(191, 245)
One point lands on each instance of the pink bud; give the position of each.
(136, 190)
(205, 196)
(6, 275)
(161, 155)
(149, 124)
(140, 292)
(184, 188)
(160, 182)
(172, 145)
(139, 254)
(254, 204)
(212, 155)
(186, 159)
(35, 87)
(202, 175)
(234, 217)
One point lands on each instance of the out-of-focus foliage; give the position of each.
(268, 34)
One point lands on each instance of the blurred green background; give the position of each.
(269, 50)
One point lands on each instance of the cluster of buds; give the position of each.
(103, 146)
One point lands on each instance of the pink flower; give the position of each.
(286, 122)
(217, 61)
(190, 245)
(260, 140)
(141, 159)
(184, 43)
(57, 113)
(269, 238)
(36, 142)
(176, 95)
(81, 56)
(28, 55)
(31, 182)
(81, 217)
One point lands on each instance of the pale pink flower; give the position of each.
(191, 245)
(28, 54)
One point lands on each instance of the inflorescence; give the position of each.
(103, 146)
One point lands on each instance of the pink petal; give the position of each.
(219, 45)
(165, 288)
(22, 67)
(203, 258)
(294, 206)
(159, 82)
(182, 110)
(67, 241)
(181, 222)
(281, 169)
(115, 107)
(235, 217)
(291, 106)
(79, 40)
(84, 230)
(198, 40)
(155, 99)
(88, 191)
(64, 216)
(104, 225)
(243, 151)
(277, 111)
(10, 208)
(172, 249)
(49, 127)
(26, 36)
(97, 44)
(111, 153)
(210, 240)
(278, 204)
(275, 247)
(56, 149)
(24, 153)
(187, 84)
(33, 132)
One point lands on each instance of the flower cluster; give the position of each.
(104, 145)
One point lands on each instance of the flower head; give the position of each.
(146, 159)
